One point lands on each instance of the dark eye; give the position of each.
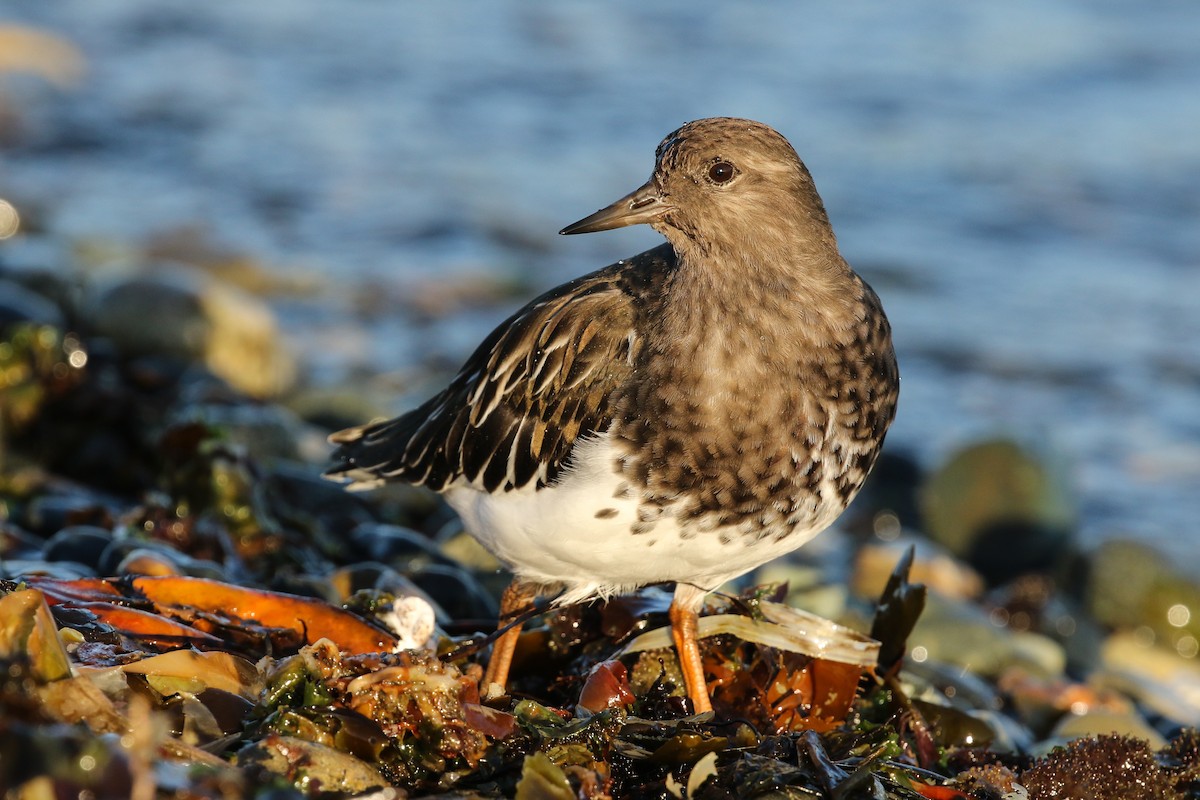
(721, 172)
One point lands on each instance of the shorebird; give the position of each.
(680, 416)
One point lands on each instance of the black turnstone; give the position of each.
(681, 416)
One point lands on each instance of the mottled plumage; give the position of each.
(684, 415)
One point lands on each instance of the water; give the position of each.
(1018, 181)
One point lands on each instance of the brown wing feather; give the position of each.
(543, 379)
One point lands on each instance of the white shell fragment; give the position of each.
(413, 621)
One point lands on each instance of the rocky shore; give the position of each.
(189, 610)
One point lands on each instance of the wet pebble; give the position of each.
(198, 246)
(183, 314)
(465, 550)
(932, 566)
(937, 681)
(401, 547)
(336, 407)
(16, 542)
(1158, 678)
(1099, 722)
(298, 491)
(146, 562)
(1002, 507)
(60, 570)
(19, 304)
(456, 590)
(1036, 603)
(1132, 586)
(47, 514)
(958, 728)
(165, 561)
(1008, 734)
(965, 635)
(55, 285)
(84, 544)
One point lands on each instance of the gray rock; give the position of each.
(1158, 678)
(62, 287)
(19, 304)
(154, 559)
(49, 513)
(396, 546)
(188, 316)
(324, 510)
(84, 544)
(59, 570)
(456, 591)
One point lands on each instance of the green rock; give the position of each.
(1099, 722)
(1133, 586)
(958, 633)
(1000, 507)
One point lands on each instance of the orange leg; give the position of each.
(685, 620)
(516, 598)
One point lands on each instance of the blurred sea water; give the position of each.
(1019, 181)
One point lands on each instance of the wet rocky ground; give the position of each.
(189, 610)
(1017, 183)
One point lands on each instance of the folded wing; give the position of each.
(545, 378)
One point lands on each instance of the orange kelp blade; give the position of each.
(86, 590)
(148, 627)
(313, 619)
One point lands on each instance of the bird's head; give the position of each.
(720, 181)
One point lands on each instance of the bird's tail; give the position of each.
(362, 455)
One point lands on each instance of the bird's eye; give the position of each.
(721, 172)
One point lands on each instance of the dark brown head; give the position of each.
(722, 181)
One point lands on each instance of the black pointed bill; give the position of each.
(642, 205)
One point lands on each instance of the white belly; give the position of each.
(577, 533)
